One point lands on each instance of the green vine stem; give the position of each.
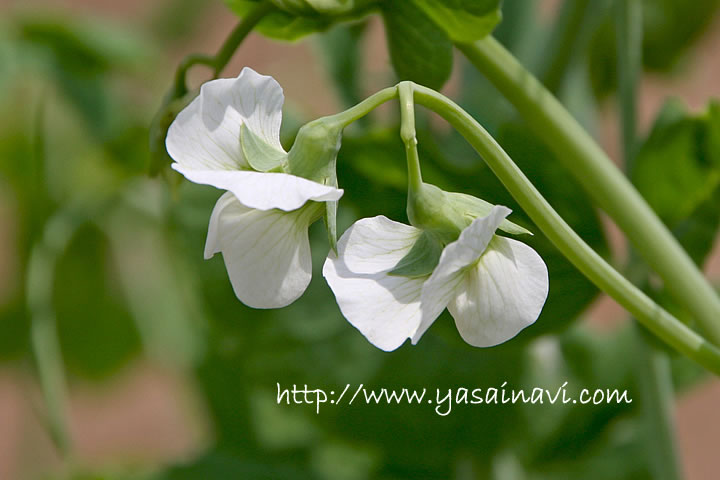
(657, 320)
(608, 187)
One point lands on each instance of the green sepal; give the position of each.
(422, 258)
(446, 214)
(473, 207)
(261, 156)
(464, 21)
(419, 49)
(330, 220)
(314, 153)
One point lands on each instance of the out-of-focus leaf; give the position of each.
(465, 21)
(219, 465)
(155, 279)
(675, 167)
(592, 361)
(677, 170)
(341, 46)
(420, 50)
(77, 55)
(84, 45)
(97, 334)
(670, 28)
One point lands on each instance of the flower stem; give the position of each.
(657, 320)
(609, 188)
(653, 366)
(407, 134)
(358, 111)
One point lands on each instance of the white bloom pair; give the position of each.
(228, 137)
(493, 286)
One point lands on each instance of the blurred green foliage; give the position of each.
(670, 27)
(76, 99)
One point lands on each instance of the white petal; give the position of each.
(501, 295)
(266, 253)
(455, 258)
(206, 134)
(264, 191)
(385, 308)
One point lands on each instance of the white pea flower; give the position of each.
(229, 137)
(493, 286)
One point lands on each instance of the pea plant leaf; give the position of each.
(677, 170)
(464, 21)
(281, 25)
(294, 19)
(419, 49)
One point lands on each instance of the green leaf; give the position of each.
(261, 156)
(281, 25)
(341, 47)
(97, 332)
(296, 18)
(330, 219)
(670, 29)
(331, 7)
(465, 21)
(422, 258)
(420, 50)
(676, 168)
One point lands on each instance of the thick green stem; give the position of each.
(657, 320)
(653, 366)
(608, 187)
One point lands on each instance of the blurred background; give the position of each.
(170, 377)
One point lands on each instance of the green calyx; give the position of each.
(314, 156)
(442, 216)
(314, 153)
(446, 214)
